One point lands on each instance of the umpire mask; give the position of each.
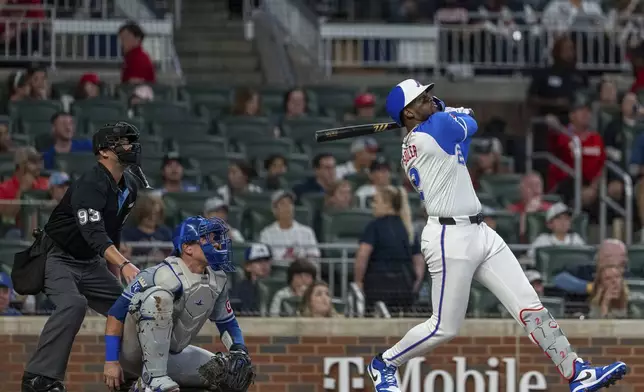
(111, 137)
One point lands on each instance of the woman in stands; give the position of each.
(240, 174)
(316, 301)
(389, 252)
(89, 86)
(246, 103)
(149, 217)
(609, 298)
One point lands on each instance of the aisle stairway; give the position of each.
(212, 48)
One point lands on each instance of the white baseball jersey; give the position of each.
(434, 154)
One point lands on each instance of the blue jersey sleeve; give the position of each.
(142, 281)
(224, 317)
(449, 128)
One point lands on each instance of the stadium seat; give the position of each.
(176, 202)
(335, 97)
(163, 111)
(34, 215)
(94, 124)
(555, 305)
(636, 259)
(536, 224)
(35, 128)
(303, 129)
(507, 225)
(261, 148)
(7, 165)
(501, 185)
(8, 249)
(100, 108)
(177, 128)
(244, 128)
(34, 110)
(551, 260)
(272, 98)
(201, 150)
(207, 97)
(488, 200)
(346, 226)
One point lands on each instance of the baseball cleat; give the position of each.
(157, 384)
(589, 379)
(383, 375)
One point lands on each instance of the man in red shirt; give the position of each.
(592, 162)
(26, 178)
(137, 66)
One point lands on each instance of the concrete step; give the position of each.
(204, 35)
(238, 78)
(214, 46)
(220, 63)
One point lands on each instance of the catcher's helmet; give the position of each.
(212, 235)
(110, 137)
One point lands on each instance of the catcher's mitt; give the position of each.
(229, 372)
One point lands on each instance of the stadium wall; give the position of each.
(316, 355)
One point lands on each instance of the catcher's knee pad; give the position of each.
(545, 332)
(152, 310)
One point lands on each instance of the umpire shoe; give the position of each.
(37, 383)
(590, 379)
(383, 375)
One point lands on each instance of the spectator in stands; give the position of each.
(215, 207)
(451, 12)
(607, 93)
(609, 295)
(621, 132)
(536, 280)
(6, 143)
(58, 184)
(18, 87)
(552, 89)
(246, 102)
(141, 94)
(299, 276)
(324, 178)
(275, 166)
(39, 82)
(6, 294)
(339, 197)
(379, 175)
(149, 218)
(593, 158)
(28, 163)
(172, 174)
(137, 65)
(531, 190)
(578, 279)
(288, 238)
(295, 103)
(248, 292)
(487, 160)
(316, 301)
(560, 15)
(559, 222)
(240, 174)
(63, 129)
(390, 252)
(364, 108)
(89, 86)
(363, 152)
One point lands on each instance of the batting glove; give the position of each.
(440, 105)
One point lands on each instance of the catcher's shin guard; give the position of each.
(152, 310)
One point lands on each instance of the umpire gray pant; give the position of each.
(72, 285)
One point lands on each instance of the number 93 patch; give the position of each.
(88, 215)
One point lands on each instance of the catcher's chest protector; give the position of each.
(192, 309)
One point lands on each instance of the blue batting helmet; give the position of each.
(212, 235)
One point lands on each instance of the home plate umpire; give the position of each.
(67, 260)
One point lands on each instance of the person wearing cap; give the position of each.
(288, 238)
(58, 184)
(26, 177)
(323, 179)
(363, 152)
(137, 65)
(300, 275)
(6, 294)
(89, 86)
(240, 175)
(215, 207)
(63, 130)
(559, 222)
(379, 175)
(536, 280)
(364, 107)
(172, 173)
(247, 294)
(592, 161)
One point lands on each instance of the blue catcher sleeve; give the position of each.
(143, 280)
(224, 317)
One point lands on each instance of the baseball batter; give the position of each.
(459, 247)
(150, 327)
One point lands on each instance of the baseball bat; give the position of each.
(328, 135)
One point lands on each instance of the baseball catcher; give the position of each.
(150, 327)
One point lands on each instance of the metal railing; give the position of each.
(606, 201)
(574, 172)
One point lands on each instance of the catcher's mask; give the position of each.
(111, 137)
(212, 235)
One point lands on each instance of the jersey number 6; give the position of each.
(414, 178)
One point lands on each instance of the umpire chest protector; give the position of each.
(195, 302)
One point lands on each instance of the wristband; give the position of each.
(112, 348)
(123, 265)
